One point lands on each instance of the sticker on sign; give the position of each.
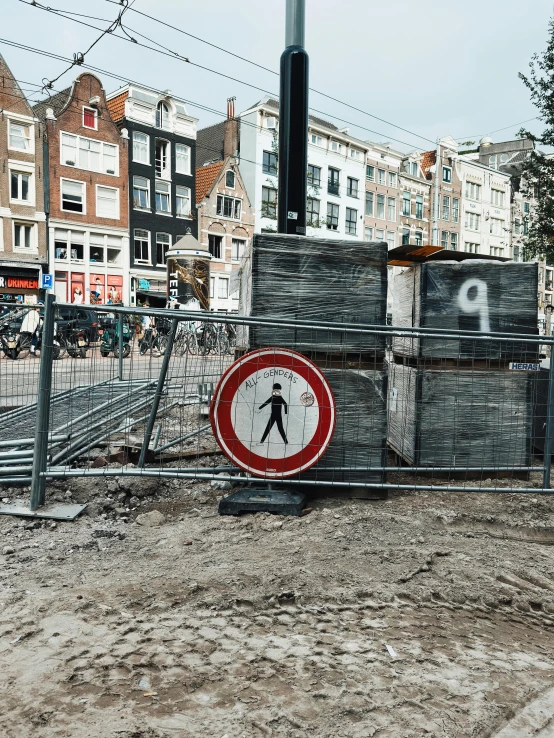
(523, 367)
(291, 215)
(273, 413)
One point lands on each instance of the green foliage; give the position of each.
(538, 171)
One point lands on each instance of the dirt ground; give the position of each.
(424, 615)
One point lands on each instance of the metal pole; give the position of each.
(120, 346)
(38, 484)
(159, 392)
(549, 435)
(293, 125)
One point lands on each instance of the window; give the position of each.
(355, 154)
(419, 238)
(90, 118)
(419, 207)
(72, 243)
(162, 115)
(471, 248)
(19, 136)
(19, 186)
(73, 196)
(141, 246)
(391, 208)
(352, 187)
(314, 175)
(525, 227)
(493, 163)
(141, 193)
(333, 181)
(526, 207)
(369, 234)
(497, 251)
(444, 239)
(182, 201)
(370, 173)
(316, 140)
(351, 219)
(369, 201)
(406, 203)
(222, 288)
(229, 207)
(381, 176)
(312, 212)
(379, 235)
(96, 255)
(391, 237)
(447, 174)
(472, 221)
(140, 148)
(381, 206)
(163, 190)
(335, 146)
(87, 153)
(23, 236)
(446, 207)
(332, 216)
(496, 226)
(214, 245)
(237, 249)
(473, 191)
(269, 164)
(107, 205)
(455, 210)
(517, 226)
(182, 159)
(163, 242)
(497, 197)
(230, 179)
(269, 202)
(212, 287)
(392, 179)
(454, 241)
(414, 168)
(162, 159)
(405, 236)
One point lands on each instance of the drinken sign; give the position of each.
(19, 283)
(273, 413)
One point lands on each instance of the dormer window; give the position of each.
(162, 115)
(90, 118)
(230, 179)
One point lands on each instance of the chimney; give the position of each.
(231, 130)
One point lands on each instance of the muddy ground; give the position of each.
(424, 615)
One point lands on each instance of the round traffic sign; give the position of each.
(273, 413)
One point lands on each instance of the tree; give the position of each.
(537, 178)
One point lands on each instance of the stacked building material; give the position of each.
(458, 402)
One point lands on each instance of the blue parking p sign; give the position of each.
(47, 282)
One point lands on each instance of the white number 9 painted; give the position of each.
(479, 304)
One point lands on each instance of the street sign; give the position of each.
(47, 282)
(273, 413)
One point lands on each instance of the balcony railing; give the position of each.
(333, 188)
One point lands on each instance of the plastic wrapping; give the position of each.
(359, 440)
(460, 417)
(541, 409)
(300, 278)
(473, 295)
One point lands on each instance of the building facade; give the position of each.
(441, 168)
(161, 165)
(414, 202)
(382, 181)
(23, 252)
(87, 195)
(336, 173)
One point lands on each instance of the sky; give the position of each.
(431, 67)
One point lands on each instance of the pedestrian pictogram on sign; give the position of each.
(273, 413)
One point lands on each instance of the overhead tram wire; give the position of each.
(165, 51)
(497, 130)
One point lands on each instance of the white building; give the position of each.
(336, 173)
(486, 222)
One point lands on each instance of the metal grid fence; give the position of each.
(136, 402)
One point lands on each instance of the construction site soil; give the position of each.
(425, 615)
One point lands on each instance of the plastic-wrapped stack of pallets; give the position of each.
(463, 402)
(323, 280)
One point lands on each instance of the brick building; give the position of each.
(86, 160)
(442, 168)
(415, 202)
(381, 194)
(23, 254)
(160, 179)
(225, 213)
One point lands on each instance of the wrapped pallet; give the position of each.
(472, 295)
(314, 279)
(460, 418)
(359, 441)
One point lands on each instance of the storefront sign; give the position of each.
(19, 283)
(143, 284)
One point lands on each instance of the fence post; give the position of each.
(38, 482)
(120, 347)
(159, 391)
(549, 435)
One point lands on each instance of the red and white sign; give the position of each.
(273, 413)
